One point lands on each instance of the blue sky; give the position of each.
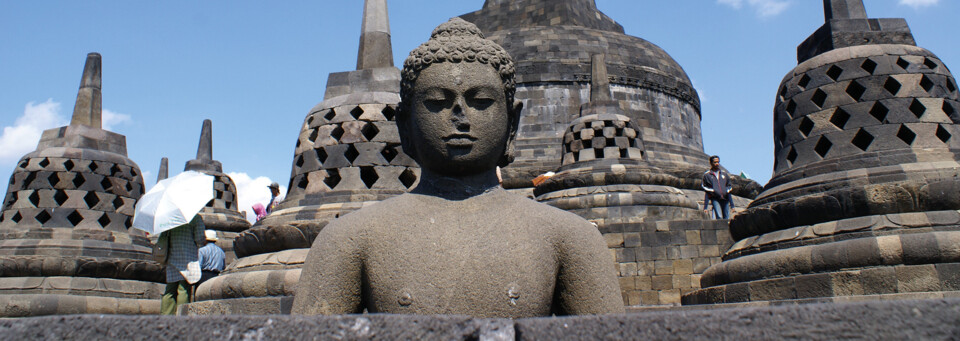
(255, 68)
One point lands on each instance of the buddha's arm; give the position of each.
(586, 283)
(330, 281)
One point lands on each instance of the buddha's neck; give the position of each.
(456, 187)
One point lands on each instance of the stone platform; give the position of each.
(934, 319)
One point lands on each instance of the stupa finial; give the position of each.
(375, 49)
(599, 81)
(88, 110)
(843, 9)
(162, 174)
(205, 149)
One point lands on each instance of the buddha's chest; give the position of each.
(481, 274)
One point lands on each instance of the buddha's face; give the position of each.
(458, 122)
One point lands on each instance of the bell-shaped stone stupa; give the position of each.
(347, 156)
(553, 76)
(863, 201)
(221, 214)
(661, 239)
(66, 246)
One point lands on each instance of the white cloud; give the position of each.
(766, 8)
(251, 191)
(110, 118)
(916, 4)
(22, 137)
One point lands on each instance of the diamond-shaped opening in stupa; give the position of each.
(823, 146)
(840, 118)
(862, 140)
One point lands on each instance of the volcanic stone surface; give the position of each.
(409, 254)
(934, 319)
(348, 156)
(552, 43)
(863, 200)
(66, 246)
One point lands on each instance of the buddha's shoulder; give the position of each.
(530, 215)
(410, 207)
(392, 209)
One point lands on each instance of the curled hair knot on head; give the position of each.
(457, 41)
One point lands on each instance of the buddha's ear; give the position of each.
(404, 129)
(513, 122)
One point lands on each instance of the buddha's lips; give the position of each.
(459, 139)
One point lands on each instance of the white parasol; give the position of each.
(173, 202)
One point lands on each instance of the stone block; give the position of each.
(627, 284)
(670, 296)
(879, 280)
(626, 255)
(632, 298)
(681, 281)
(920, 248)
(828, 256)
(708, 237)
(773, 289)
(649, 298)
(672, 252)
(645, 268)
(614, 240)
(891, 250)
(693, 237)
(847, 283)
(689, 252)
(917, 278)
(611, 152)
(863, 252)
(683, 266)
(644, 282)
(663, 267)
(949, 274)
(662, 282)
(631, 239)
(709, 251)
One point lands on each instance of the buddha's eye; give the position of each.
(435, 104)
(435, 99)
(481, 98)
(481, 102)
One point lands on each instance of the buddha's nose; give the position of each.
(459, 117)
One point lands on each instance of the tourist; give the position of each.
(275, 197)
(716, 184)
(211, 258)
(183, 264)
(259, 211)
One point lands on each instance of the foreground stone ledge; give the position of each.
(917, 319)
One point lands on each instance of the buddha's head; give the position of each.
(458, 115)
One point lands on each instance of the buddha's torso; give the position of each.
(491, 253)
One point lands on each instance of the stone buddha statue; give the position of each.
(459, 243)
